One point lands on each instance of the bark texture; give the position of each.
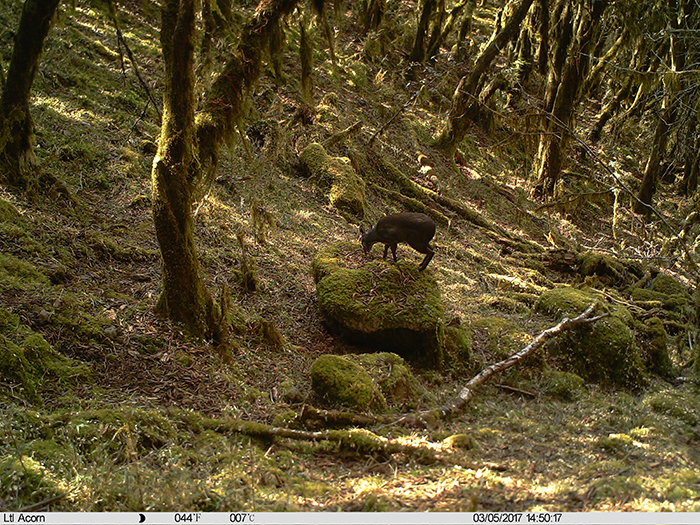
(16, 125)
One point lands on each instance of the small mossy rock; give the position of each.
(565, 301)
(458, 347)
(653, 341)
(500, 337)
(605, 266)
(394, 378)
(347, 189)
(340, 381)
(605, 352)
(388, 306)
(666, 284)
(653, 299)
(564, 386)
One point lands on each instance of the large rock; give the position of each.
(604, 352)
(388, 306)
(346, 187)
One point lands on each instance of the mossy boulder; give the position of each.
(458, 347)
(666, 284)
(603, 265)
(394, 378)
(340, 381)
(28, 361)
(500, 337)
(564, 386)
(346, 188)
(391, 307)
(653, 340)
(604, 352)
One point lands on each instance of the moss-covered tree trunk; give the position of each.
(223, 106)
(16, 125)
(184, 297)
(464, 105)
(188, 149)
(556, 133)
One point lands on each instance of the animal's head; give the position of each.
(365, 239)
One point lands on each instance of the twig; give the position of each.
(120, 39)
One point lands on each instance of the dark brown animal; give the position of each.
(415, 229)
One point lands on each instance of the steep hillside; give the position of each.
(106, 407)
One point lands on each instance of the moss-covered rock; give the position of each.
(27, 360)
(500, 337)
(340, 381)
(458, 347)
(394, 378)
(605, 266)
(389, 306)
(346, 188)
(666, 284)
(653, 341)
(563, 385)
(606, 351)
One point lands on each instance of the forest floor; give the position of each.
(139, 425)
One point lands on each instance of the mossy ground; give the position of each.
(79, 279)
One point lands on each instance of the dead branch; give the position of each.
(469, 390)
(122, 41)
(342, 135)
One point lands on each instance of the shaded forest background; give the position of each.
(159, 317)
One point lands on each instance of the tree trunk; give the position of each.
(464, 108)
(418, 51)
(16, 125)
(555, 135)
(184, 299)
(653, 166)
(187, 147)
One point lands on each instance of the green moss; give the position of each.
(666, 284)
(605, 351)
(340, 381)
(565, 301)
(654, 299)
(27, 360)
(347, 189)
(681, 405)
(18, 274)
(394, 378)
(603, 265)
(332, 258)
(390, 306)
(501, 338)
(458, 347)
(653, 341)
(563, 385)
(27, 479)
(8, 213)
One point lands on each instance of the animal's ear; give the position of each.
(362, 230)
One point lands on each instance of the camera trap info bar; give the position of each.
(350, 518)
